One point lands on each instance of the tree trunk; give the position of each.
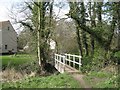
(38, 45)
(79, 40)
(38, 35)
(84, 39)
(118, 18)
(92, 13)
(92, 45)
(99, 12)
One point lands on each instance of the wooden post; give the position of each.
(55, 60)
(64, 64)
(69, 60)
(74, 61)
(79, 62)
(65, 59)
(58, 62)
(60, 65)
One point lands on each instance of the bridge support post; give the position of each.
(64, 63)
(73, 61)
(57, 62)
(69, 60)
(65, 59)
(79, 63)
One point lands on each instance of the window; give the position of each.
(5, 46)
(8, 28)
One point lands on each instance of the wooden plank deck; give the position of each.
(70, 69)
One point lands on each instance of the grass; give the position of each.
(102, 79)
(54, 81)
(11, 60)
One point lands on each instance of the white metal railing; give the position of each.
(75, 59)
(67, 59)
(60, 63)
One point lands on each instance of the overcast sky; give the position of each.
(3, 10)
(5, 5)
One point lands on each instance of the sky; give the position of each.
(3, 10)
(5, 6)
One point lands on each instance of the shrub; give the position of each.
(29, 67)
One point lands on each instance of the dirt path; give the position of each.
(77, 76)
(80, 79)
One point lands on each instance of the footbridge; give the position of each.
(68, 63)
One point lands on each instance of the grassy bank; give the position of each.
(102, 79)
(14, 61)
(24, 62)
(54, 81)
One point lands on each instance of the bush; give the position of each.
(95, 62)
(86, 64)
(102, 79)
(111, 83)
(29, 67)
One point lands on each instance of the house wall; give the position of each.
(0, 37)
(9, 38)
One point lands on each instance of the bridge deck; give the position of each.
(70, 69)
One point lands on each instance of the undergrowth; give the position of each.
(54, 81)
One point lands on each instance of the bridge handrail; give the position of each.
(68, 58)
(73, 61)
(59, 61)
(73, 55)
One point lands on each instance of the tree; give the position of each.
(100, 27)
(38, 23)
(92, 15)
(79, 40)
(104, 42)
(43, 32)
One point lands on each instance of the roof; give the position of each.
(2, 22)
